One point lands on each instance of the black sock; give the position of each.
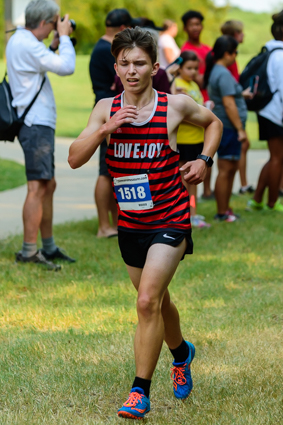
(144, 384)
(181, 353)
(221, 215)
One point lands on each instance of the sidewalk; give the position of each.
(74, 194)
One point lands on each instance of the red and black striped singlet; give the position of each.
(143, 148)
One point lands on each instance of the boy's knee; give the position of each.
(147, 306)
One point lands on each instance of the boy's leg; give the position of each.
(33, 209)
(47, 213)
(151, 283)
(243, 163)
(172, 331)
(104, 200)
(224, 183)
(161, 263)
(207, 193)
(275, 146)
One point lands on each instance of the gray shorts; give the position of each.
(37, 142)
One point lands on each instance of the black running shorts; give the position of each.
(189, 152)
(268, 129)
(134, 246)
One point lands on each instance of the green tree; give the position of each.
(90, 16)
(80, 12)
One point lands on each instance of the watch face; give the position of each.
(207, 159)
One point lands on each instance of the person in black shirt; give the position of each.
(102, 74)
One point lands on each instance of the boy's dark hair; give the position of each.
(190, 15)
(277, 31)
(188, 55)
(130, 38)
(118, 17)
(277, 26)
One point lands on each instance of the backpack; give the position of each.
(257, 66)
(10, 124)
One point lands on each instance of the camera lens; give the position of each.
(72, 22)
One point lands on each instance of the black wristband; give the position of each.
(207, 159)
(52, 49)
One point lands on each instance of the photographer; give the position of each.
(28, 60)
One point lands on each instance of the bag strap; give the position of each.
(276, 48)
(26, 111)
(33, 100)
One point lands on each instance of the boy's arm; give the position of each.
(98, 128)
(190, 111)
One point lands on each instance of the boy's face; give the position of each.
(189, 70)
(193, 28)
(135, 69)
(239, 36)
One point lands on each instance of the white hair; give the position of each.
(40, 10)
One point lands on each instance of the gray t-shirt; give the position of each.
(222, 83)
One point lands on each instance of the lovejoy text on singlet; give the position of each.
(145, 171)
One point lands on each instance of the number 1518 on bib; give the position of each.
(133, 192)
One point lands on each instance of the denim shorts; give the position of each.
(134, 245)
(37, 143)
(230, 147)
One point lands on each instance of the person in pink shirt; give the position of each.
(192, 21)
(235, 29)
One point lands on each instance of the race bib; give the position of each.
(133, 192)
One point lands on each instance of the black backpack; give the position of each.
(10, 124)
(258, 66)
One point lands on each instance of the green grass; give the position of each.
(12, 174)
(66, 338)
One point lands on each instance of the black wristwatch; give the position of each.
(52, 48)
(207, 159)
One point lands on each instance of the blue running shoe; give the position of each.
(136, 406)
(181, 375)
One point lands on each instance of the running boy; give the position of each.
(153, 205)
(190, 137)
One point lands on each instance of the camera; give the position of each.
(74, 26)
(72, 22)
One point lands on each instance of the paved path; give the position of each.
(74, 194)
(73, 197)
